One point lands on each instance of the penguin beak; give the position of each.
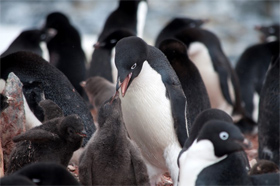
(83, 84)
(123, 85)
(82, 134)
(246, 144)
(98, 45)
(114, 97)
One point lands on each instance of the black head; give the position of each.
(225, 137)
(110, 110)
(16, 180)
(47, 173)
(131, 52)
(51, 109)
(187, 22)
(71, 128)
(56, 20)
(173, 49)
(34, 36)
(268, 31)
(111, 40)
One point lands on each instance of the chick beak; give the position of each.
(114, 97)
(123, 85)
(82, 133)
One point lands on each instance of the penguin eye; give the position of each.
(271, 30)
(192, 25)
(133, 66)
(70, 131)
(224, 135)
(36, 180)
(113, 41)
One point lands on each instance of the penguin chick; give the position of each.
(110, 157)
(51, 110)
(54, 141)
(15, 180)
(98, 90)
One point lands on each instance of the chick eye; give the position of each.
(224, 135)
(133, 66)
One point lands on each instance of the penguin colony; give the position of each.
(138, 111)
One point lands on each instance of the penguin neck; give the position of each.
(199, 156)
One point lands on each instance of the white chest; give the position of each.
(199, 156)
(147, 115)
(200, 56)
(141, 17)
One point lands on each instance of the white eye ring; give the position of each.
(133, 66)
(113, 40)
(224, 135)
(271, 30)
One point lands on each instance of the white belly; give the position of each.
(199, 55)
(147, 116)
(199, 156)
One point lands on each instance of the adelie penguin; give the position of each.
(153, 105)
(32, 69)
(28, 40)
(65, 49)
(111, 158)
(268, 122)
(40, 173)
(251, 69)
(127, 20)
(201, 163)
(189, 76)
(220, 79)
(53, 141)
(175, 25)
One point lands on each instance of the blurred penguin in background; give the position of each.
(27, 40)
(128, 19)
(65, 49)
(251, 69)
(268, 121)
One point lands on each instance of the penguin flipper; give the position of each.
(37, 135)
(223, 78)
(51, 110)
(178, 107)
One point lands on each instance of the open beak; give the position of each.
(114, 97)
(123, 85)
(82, 134)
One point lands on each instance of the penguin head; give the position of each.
(173, 49)
(111, 40)
(33, 36)
(188, 22)
(131, 53)
(71, 128)
(110, 110)
(225, 137)
(47, 173)
(56, 20)
(269, 33)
